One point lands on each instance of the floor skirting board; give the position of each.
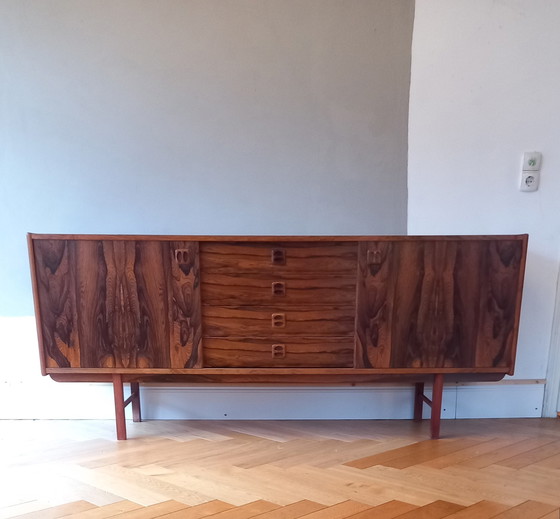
(81, 401)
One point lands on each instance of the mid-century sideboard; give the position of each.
(277, 309)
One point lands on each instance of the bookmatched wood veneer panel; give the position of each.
(118, 303)
(440, 303)
(121, 291)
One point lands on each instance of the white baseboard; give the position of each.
(392, 402)
(283, 403)
(500, 401)
(51, 400)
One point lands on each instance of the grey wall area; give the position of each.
(199, 117)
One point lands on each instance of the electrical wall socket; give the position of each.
(529, 180)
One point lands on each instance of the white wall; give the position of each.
(190, 117)
(485, 86)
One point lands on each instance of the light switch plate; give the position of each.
(531, 161)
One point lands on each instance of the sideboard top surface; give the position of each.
(268, 238)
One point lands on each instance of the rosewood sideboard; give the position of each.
(277, 309)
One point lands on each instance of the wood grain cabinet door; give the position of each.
(113, 303)
(439, 303)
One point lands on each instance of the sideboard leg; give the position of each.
(437, 393)
(119, 406)
(418, 401)
(135, 399)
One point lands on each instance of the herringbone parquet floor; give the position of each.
(280, 470)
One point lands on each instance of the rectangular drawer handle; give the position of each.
(278, 257)
(278, 288)
(182, 255)
(278, 320)
(278, 351)
(374, 257)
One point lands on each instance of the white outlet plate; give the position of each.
(529, 181)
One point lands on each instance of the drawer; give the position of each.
(262, 321)
(262, 353)
(283, 288)
(278, 257)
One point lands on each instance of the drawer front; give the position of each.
(293, 352)
(283, 289)
(278, 257)
(247, 321)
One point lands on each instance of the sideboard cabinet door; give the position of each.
(118, 303)
(439, 303)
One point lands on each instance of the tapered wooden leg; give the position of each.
(135, 400)
(437, 393)
(119, 406)
(418, 401)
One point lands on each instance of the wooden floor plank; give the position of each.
(513, 487)
(263, 457)
(292, 511)
(480, 510)
(537, 483)
(322, 448)
(134, 487)
(300, 485)
(356, 450)
(552, 462)
(245, 485)
(157, 510)
(432, 451)
(199, 511)
(532, 456)
(507, 452)
(212, 489)
(384, 457)
(106, 511)
(390, 484)
(462, 485)
(486, 446)
(245, 511)
(387, 510)
(435, 510)
(527, 510)
(59, 511)
(339, 511)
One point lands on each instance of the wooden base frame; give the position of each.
(121, 403)
(435, 403)
(419, 399)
